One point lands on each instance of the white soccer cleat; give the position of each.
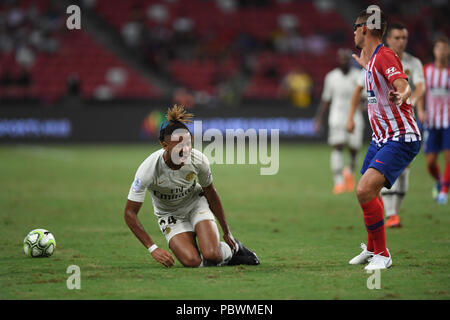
(442, 198)
(379, 262)
(363, 257)
(436, 190)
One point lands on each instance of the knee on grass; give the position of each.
(191, 261)
(212, 255)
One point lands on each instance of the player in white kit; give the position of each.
(397, 39)
(336, 94)
(185, 201)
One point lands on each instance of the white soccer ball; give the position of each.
(39, 243)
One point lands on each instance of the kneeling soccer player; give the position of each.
(185, 208)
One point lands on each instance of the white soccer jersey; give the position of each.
(173, 192)
(338, 88)
(362, 79)
(413, 69)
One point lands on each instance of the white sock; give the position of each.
(403, 182)
(337, 164)
(388, 196)
(227, 253)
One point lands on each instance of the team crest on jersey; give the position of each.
(407, 72)
(190, 176)
(167, 230)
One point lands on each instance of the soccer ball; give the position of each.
(39, 243)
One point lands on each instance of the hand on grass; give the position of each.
(164, 257)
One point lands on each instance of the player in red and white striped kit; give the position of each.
(436, 119)
(396, 136)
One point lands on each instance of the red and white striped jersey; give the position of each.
(388, 121)
(437, 96)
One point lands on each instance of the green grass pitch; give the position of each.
(303, 234)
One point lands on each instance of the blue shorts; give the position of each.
(390, 159)
(436, 140)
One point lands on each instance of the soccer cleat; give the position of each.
(243, 256)
(363, 257)
(393, 222)
(442, 198)
(379, 262)
(339, 188)
(436, 190)
(348, 178)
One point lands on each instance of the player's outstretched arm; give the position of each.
(216, 207)
(323, 107)
(402, 91)
(131, 211)
(356, 98)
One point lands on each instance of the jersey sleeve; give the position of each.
(204, 172)
(390, 66)
(326, 92)
(142, 180)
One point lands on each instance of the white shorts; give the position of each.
(173, 225)
(339, 135)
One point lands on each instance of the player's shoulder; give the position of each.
(148, 166)
(384, 50)
(355, 71)
(332, 73)
(412, 59)
(409, 56)
(154, 156)
(385, 53)
(334, 76)
(388, 63)
(198, 157)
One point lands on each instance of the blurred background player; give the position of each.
(396, 136)
(185, 208)
(397, 40)
(336, 94)
(436, 119)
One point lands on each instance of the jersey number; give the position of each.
(170, 220)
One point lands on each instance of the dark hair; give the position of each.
(395, 26)
(176, 118)
(440, 38)
(377, 32)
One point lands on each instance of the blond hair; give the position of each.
(176, 118)
(178, 114)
